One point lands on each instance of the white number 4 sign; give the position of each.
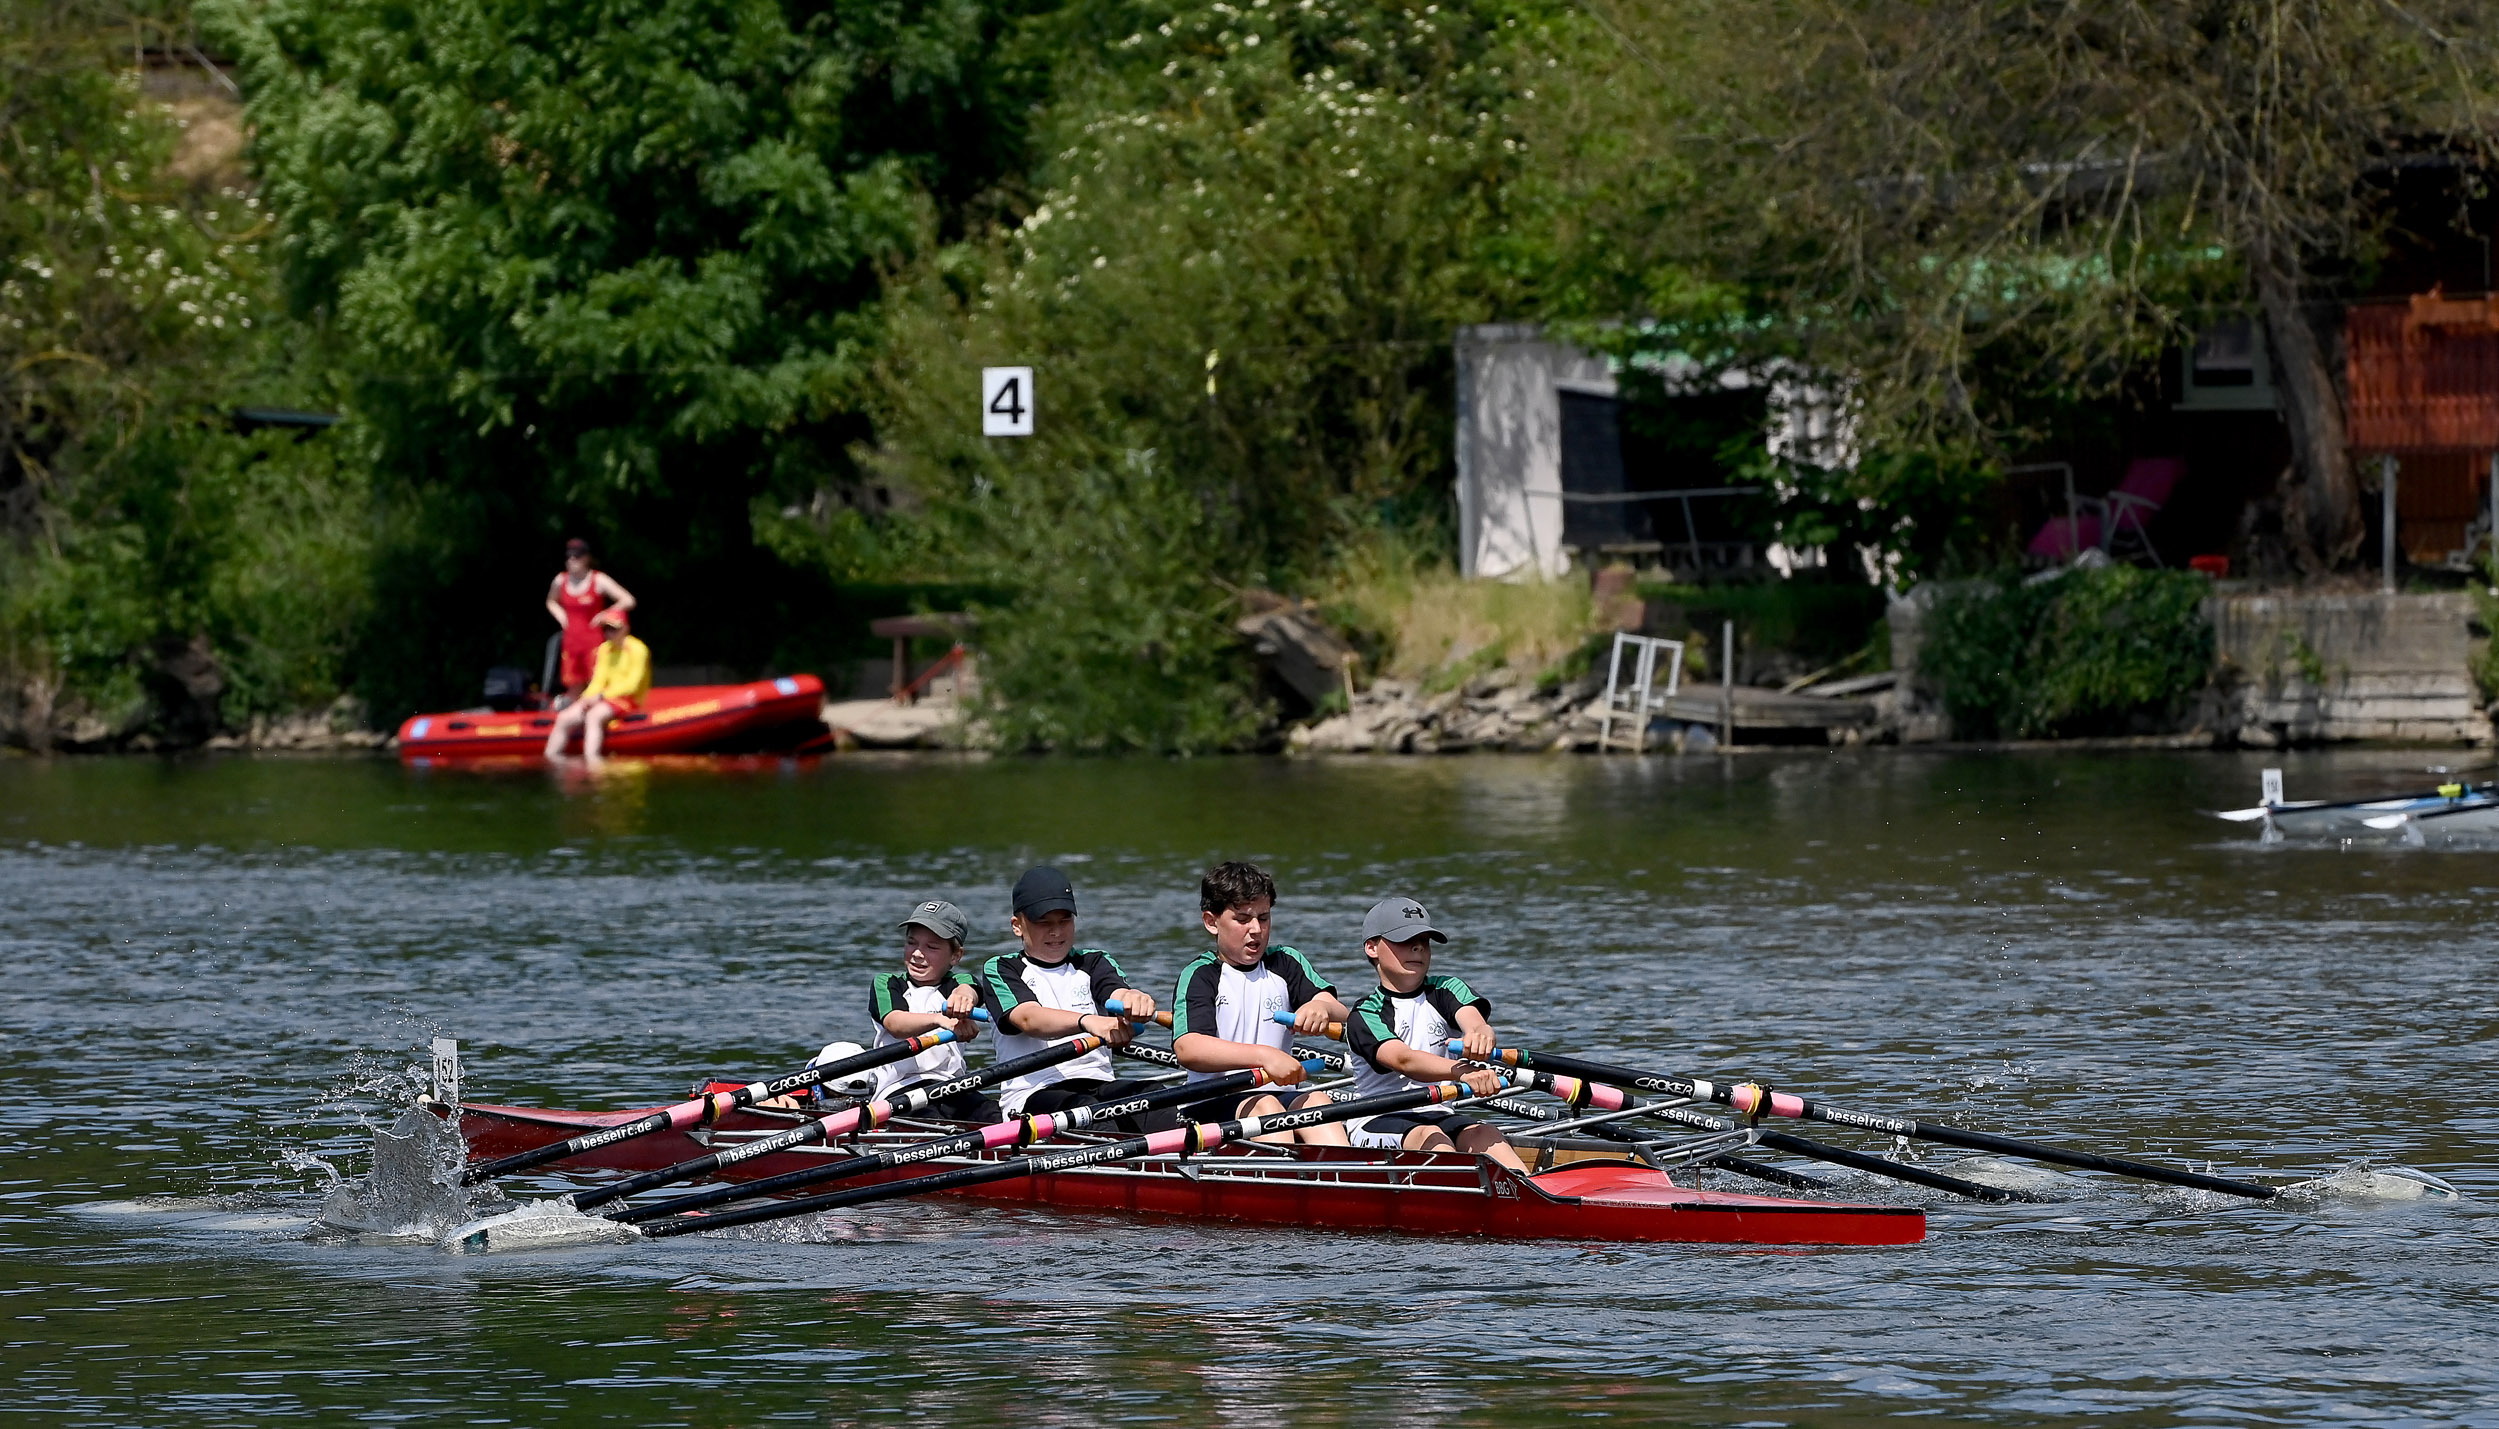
(1006, 401)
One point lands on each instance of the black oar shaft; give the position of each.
(937, 1150)
(1877, 1166)
(817, 1129)
(700, 1110)
(1811, 1150)
(1900, 1126)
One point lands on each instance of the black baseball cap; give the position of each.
(1400, 920)
(1044, 890)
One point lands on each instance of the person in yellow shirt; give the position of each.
(618, 681)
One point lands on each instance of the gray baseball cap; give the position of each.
(1400, 920)
(940, 917)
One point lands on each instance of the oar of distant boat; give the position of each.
(2452, 807)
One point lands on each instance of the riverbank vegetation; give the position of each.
(710, 281)
(2105, 650)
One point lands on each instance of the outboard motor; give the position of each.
(507, 688)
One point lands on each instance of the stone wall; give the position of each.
(2294, 669)
(2307, 669)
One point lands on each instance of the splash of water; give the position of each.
(414, 1191)
(2364, 1181)
(2007, 1174)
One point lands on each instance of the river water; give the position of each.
(222, 972)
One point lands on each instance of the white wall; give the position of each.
(1510, 446)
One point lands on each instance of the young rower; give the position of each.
(1393, 1028)
(923, 997)
(1222, 1011)
(1051, 991)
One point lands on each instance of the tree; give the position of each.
(1982, 211)
(146, 575)
(607, 266)
(1237, 280)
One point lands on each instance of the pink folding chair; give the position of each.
(2137, 499)
(2065, 537)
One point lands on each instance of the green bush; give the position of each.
(1823, 621)
(2085, 652)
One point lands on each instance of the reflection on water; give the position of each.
(243, 959)
(609, 798)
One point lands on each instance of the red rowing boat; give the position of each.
(674, 719)
(1332, 1188)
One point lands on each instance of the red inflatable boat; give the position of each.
(675, 719)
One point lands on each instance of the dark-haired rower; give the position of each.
(1222, 1013)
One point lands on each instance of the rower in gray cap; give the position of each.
(923, 997)
(1394, 1029)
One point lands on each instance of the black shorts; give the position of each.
(1226, 1106)
(1398, 1123)
(1059, 1096)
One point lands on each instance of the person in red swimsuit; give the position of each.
(577, 598)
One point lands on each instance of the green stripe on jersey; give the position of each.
(1369, 1010)
(884, 998)
(1002, 997)
(1180, 991)
(1307, 970)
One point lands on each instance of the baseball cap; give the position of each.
(1400, 920)
(1044, 890)
(940, 917)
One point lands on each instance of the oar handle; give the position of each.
(1334, 1031)
(824, 1128)
(705, 1109)
(1016, 1131)
(1113, 1008)
(1202, 1136)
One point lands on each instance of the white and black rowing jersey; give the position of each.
(1425, 1020)
(1079, 984)
(1216, 999)
(896, 992)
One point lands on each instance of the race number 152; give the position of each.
(1006, 401)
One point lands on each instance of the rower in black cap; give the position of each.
(1051, 991)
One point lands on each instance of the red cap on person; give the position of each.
(615, 618)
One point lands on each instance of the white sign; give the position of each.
(1006, 401)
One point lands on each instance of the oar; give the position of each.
(1756, 1102)
(1203, 1136)
(1610, 1097)
(1017, 1131)
(703, 1110)
(836, 1124)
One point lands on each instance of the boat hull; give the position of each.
(1332, 1188)
(675, 719)
(2350, 820)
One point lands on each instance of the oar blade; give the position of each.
(540, 1225)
